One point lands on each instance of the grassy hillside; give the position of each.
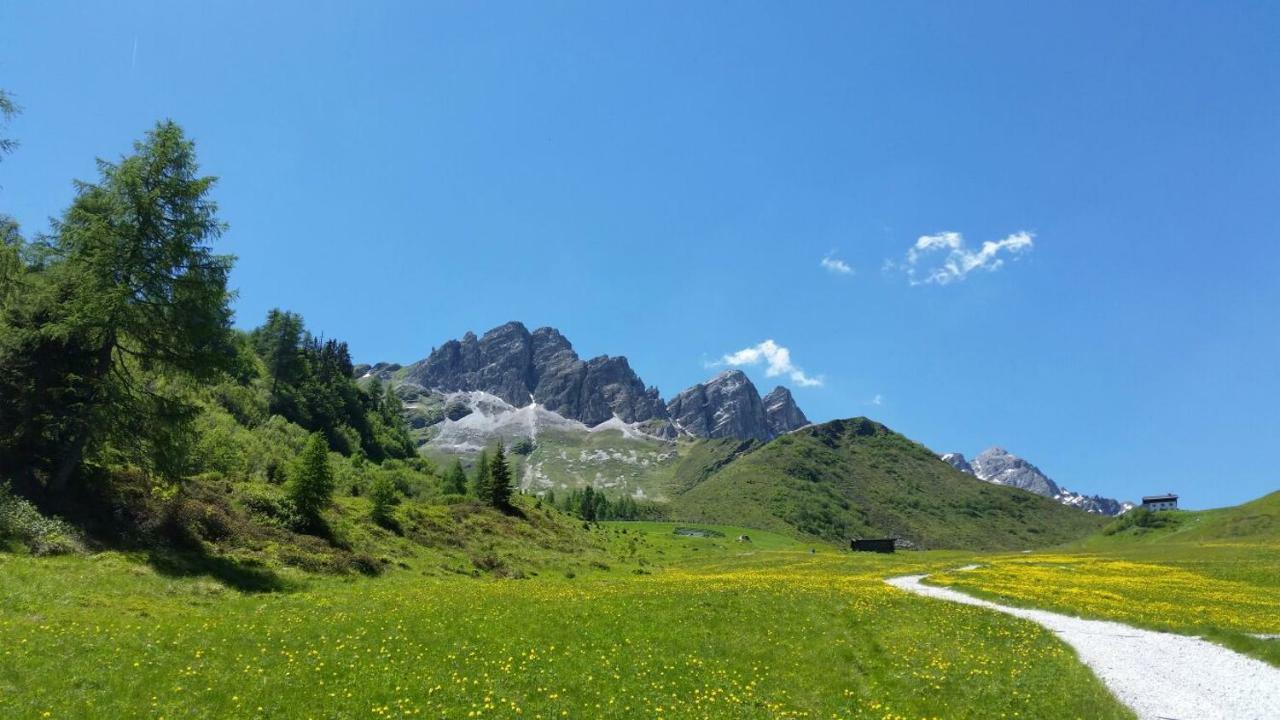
(1257, 521)
(850, 478)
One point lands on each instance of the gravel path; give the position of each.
(1158, 675)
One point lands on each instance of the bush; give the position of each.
(21, 524)
(1141, 520)
(270, 502)
(384, 496)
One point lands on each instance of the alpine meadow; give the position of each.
(284, 432)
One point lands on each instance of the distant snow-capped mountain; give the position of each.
(1001, 467)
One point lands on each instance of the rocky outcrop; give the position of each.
(727, 406)
(523, 367)
(782, 413)
(999, 466)
(957, 461)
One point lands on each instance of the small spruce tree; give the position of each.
(500, 480)
(455, 481)
(312, 483)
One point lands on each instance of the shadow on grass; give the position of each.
(245, 577)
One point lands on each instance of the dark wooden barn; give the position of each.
(880, 545)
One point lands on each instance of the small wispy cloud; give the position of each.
(877, 400)
(777, 359)
(944, 258)
(836, 265)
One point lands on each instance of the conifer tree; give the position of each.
(311, 485)
(500, 480)
(455, 481)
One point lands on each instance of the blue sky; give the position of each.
(665, 180)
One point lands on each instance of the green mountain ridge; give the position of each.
(856, 477)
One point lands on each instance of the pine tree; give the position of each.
(455, 482)
(384, 496)
(480, 477)
(500, 480)
(312, 483)
(587, 504)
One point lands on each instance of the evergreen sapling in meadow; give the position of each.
(455, 481)
(500, 480)
(311, 485)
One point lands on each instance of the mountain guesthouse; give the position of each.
(1160, 502)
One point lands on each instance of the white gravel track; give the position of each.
(1158, 675)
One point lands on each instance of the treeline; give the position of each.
(590, 505)
(117, 350)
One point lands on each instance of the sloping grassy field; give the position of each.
(677, 626)
(1212, 573)
(850, 478)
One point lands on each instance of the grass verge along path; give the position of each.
(1158, 675)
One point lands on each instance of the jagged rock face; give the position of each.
(523, 367)
(999, 466)
(782, 413)
(957, 461)
(727, 406)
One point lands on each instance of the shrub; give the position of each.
(384, 496)
(22, 524)
(1141, 520)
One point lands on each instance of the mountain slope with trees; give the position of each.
(133, 410)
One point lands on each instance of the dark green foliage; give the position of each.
(590, 504)
(1141, 520)
(126, 306)
(523, 446)
(857, 478)
(279, 342)
(455, 481)
(311, 483)
(501, 483)
(480, 480)
(310, 383)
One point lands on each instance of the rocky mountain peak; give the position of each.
(781, 411)
(521, 367)
(999, 466)
(727, 405)
(957, 461)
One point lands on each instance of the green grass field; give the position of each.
(637, 619)
(675, 627)
(1212, 573)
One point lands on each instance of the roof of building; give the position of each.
(1159, 498)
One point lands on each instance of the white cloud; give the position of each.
(776, 357)
(878, 399)
(836, 265)
(943, 258)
